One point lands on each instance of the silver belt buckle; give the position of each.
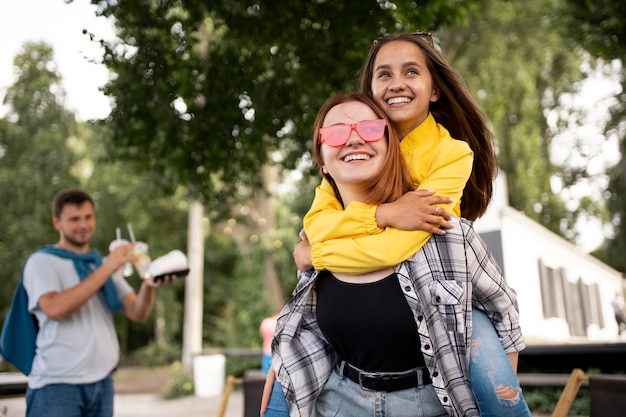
(420, 378)
(368, 375)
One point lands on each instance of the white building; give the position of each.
(564, 294)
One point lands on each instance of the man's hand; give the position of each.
(166, 280)
(119, 256)
(302, 253)
(415, 210)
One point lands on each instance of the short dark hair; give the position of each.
(68, 196)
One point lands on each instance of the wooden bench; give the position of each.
(608, 394)
(253, 383)
(543, 380)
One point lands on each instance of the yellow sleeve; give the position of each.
(327, 220)
(452, 167)
(354, 256)
(445, 169)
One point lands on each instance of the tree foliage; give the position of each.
(206, 92)
(213, 95)
(43, 150)
(600, 28)
(517, 74)
(35, 160)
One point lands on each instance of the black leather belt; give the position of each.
(386, 381)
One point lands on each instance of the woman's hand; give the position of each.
(302, 253)
(267, 389)
(415, 210)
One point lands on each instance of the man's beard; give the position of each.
(74, 242)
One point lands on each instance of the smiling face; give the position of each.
(402, 85)
(357, 161)
(76, 224)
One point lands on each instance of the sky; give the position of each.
(61, 26)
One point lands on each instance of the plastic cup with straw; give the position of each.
(140, 252)
(125, 270)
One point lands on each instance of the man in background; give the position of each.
(618, 308)
(74, 292)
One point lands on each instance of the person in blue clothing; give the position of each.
(320, 346)
(73, 293)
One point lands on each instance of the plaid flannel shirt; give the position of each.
(441, 283)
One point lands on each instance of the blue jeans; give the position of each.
(494, 381)
(65, 400)
(343, 397)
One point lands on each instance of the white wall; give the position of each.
(524, 243)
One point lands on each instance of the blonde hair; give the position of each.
(394, 179)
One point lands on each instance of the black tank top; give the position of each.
(370, 325)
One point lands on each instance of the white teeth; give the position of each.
(356, 157)
(398, 100)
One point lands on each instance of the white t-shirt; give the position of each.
(81, 349)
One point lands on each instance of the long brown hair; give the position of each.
(394, 179)
(458, 112)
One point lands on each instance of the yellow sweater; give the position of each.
(350, 241)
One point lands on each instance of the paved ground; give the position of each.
(138, 395)
(149, 405)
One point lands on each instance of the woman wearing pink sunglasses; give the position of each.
(429, 107)
(421, 94)
(394, 340)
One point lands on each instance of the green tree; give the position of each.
(158, 218)
(43, 150)
(35, 160)
(600, 28)
(518, 75)
(207, 94)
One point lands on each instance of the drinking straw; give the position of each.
(130, 232)
(118, 233)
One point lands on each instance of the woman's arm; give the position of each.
(360, 219)
(368, 252)
(513, 357)
(267, 389)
